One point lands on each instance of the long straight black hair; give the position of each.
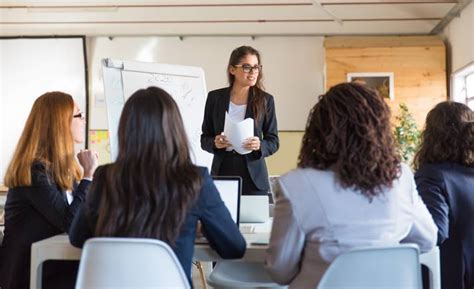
(153, 183)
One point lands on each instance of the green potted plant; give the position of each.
(407, 134)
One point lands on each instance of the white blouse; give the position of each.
(237, 111)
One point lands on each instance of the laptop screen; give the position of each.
(229, 189)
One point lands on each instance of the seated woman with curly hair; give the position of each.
(445, 180)
(349, 190)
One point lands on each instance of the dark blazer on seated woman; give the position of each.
(32, 214)
(153, 189)
(217, 224)
(444, 176)
(448, 191)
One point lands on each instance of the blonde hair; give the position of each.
(46, 138)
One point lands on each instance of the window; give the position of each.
(463, 85)
(470, 90)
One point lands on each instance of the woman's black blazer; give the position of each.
(448, 191)
(32, 214)
(217, 224)
(265, 128)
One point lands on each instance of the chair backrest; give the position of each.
(273, 180)
(388, 267)
(128, 263)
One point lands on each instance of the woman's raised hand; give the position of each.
(89, 160)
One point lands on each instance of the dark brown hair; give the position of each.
(153, 183)
(448, 136)
(257, 103)
(348, 132)
(46, 138)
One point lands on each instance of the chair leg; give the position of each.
(201, 274)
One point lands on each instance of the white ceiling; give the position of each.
(221, 17)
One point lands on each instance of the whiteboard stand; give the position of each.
(186, 84)
(114, 100)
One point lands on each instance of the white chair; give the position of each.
(128, 263)
(238, 274)
(273, 180)
(432, 261)
(388, 267)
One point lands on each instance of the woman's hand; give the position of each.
(252, 143)
(89, 161)
(221, 142)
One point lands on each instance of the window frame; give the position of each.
(459, 80)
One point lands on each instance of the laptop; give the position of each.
(254, 209)
(230, 189)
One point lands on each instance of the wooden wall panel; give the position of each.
(419, 71)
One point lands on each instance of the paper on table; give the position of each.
(237, 132)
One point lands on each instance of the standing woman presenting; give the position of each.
(244, 98)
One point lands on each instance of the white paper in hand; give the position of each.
(237, 132)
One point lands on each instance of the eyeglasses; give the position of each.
(248, 68)
(81, 115)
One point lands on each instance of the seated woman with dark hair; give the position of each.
(153, 190)
(349, 190)
(445, 180)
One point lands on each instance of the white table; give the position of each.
(59, 248)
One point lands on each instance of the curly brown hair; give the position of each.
(448, 136)
(348, 131)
